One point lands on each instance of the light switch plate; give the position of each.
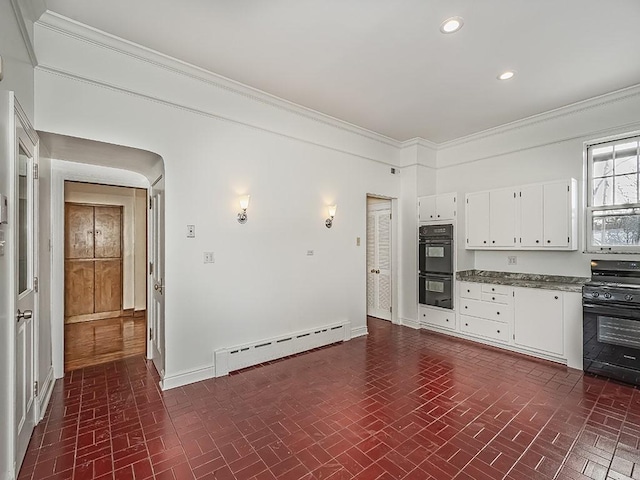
(191, 231)
(512, 260)
(310, 253)
(209, 258)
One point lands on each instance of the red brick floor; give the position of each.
(398, 404)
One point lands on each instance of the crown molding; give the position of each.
(86, 33)
(24, 32)
(101, 84)
(422, 142)
(550, 115)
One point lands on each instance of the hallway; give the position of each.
(398, 403)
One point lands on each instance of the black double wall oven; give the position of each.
(435, 265)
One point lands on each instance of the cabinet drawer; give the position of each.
(470, 290)
(438, 318)
(491, 311)
(500, 289)
(496, 298)
(482, 327)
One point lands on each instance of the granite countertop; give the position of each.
(528, 280)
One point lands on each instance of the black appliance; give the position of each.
(435, 265)
(611, 320)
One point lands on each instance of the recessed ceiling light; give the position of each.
(506, 75)
(451, 25)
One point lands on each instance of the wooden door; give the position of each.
(156, 326)
(93, 262)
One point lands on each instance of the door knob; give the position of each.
(377, 271)
(26, 315)
(373, 270)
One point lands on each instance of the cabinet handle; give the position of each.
(497, 313)
(484, 241)
(468, 291)
(430, 216)
(466, 306)
(438, 216)
(447, 319)
(498, 331)
(493, 241)
(466, 324)
(493, 298)
(548, 241)
(424, 314)
(537, 241)
(493, 289)
(556, 297)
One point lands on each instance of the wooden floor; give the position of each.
(100, 341)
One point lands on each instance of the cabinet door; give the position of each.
(538, 322)
(427, 208)
(446, 206)
(531, 216)
(557, 214)
(502, 218)
(477, 220)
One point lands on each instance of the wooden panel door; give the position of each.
(78, 239)
(93, 262)
(108, 285)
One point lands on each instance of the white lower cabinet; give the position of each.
(535, 321)
(437, 317)
(538, 320)
(482, 327)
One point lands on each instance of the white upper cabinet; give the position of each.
(530, 217)
(502, 218)
(477, 220)
(491, 219)
(436, 208)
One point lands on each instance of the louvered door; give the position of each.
(379, 296)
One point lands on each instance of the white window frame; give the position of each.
(588, 197)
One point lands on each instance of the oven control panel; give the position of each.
(604, 293)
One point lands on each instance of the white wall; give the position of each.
(133, 222)
(547, 147)
(262, 283)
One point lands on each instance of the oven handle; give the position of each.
(436, 276)
(619, 311)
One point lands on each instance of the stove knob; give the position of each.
(595, 294)
(628, 297)
(607, 295)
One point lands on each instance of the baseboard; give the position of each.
(185, 378)
(411, 323)
(359, 332)
(243, 356)
(45, 393)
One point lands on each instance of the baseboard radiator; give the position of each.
(243, 356)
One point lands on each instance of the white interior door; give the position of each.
(26, 266)
(156, 323)
(379, 260)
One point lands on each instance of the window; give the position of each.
(613, 209)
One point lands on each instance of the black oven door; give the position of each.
(435, 256)
(436, 290)
(611, 336)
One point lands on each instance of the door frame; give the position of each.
(62, 171)
(395, 317)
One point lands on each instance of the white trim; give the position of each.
(187, 377)
(60, 172)
(97, 83)
(410, 322)
(556, 113)
(412, 142)
(359, 332)
(85, 33)
(24, 32)
(44, 395)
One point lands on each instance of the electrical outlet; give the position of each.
(209, 258)
(357, 241)
(512, 260)
(191, 231)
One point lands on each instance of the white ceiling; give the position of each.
(383, 64)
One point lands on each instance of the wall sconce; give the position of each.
(332, 213)
(244, 204)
